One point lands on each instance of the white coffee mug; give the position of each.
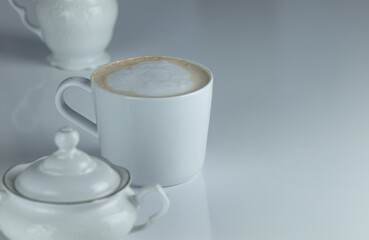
(159, 140)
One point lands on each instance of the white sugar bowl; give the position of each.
(71, 195)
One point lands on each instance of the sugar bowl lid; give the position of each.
(68, 175)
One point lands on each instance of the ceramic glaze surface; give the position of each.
(76, 32)
(68, 174)
(94, 221)
(111, 217)
(56, 209)
(161, 140)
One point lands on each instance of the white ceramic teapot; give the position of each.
(76, 31)
(71, 195)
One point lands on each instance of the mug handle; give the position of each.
(23, 15)
(2, 195)
(139, 197)
(68, 112)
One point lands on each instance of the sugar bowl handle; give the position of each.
(68, 112)
(140, 195)
(23, 15)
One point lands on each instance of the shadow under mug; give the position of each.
(159, 140)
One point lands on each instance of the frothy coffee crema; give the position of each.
(152, 77)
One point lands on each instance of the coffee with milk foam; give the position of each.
(152, 77)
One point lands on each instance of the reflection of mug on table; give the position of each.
(152, 116)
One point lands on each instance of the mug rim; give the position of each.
(205, 69)
(118, 169)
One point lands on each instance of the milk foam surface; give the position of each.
(151, 78)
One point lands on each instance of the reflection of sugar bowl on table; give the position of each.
(76, 32)
(71, 195)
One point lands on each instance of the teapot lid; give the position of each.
(67, 175)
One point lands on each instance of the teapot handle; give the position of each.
(22, 13)
(139, 197)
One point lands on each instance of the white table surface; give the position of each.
(288, 147)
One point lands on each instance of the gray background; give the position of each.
(288, 144)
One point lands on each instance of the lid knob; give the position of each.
(66, 138)
(68, 160)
